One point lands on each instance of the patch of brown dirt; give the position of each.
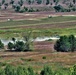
(44, 46)
(6, 14)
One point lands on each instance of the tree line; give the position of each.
(20, 70)
(19, 6)
(64, 44)
(17, 45)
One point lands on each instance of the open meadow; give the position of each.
(41, 25)
(56, 24)
(37, 37)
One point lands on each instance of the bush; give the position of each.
(22, 11)
(73, 70)
(31, 71)
(39, 1)
(2, 72)
(17, 8)
(20, 46)
(58, 8)
(74, 9)
(25, 45)
(27, 60)
(44, 57)
(3, 64)
(25, 9)
(10, 45)
(10, 70)
(1, 45)
(31, 10)
(21, 71)
(14, 6)
(46, 71)
(66, 44)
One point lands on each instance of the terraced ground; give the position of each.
(56, 25)
(40, 25)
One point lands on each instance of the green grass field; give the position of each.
(58, 19)
(60, 62)
(61, 25)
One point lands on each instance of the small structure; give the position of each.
(49, 16)
(8, 19)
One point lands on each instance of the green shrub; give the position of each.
(30, 59)
(46, 71)
(58, 8)
(31, 10)
(22, 70)
(10, 45)
(66, 44)
(31, 71)
(20, 46)
(73, 70)
(1, 45)
(44, 57)
(2, 72)
(10, 70)
(3, 64)
(25, 9)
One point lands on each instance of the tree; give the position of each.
(46, 71)
(74, 1)
(66, 44)
(5, 5)
(12, 2)
(14, 6)
(73, 8)
(31, 10)
(65, 47)
(64, 1)
(25, 9)
(39, 1)
(0, 5)
(29, 2)
(20, 2)
(13, 39)
(17, 8)
(58, 8)
(32, 1)
(62, 44)
(1, 45)
(10, 45)
(3, 1)
(72, 41)
(20, 46)
(28, 42)
(56, 1)
(47, 2)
